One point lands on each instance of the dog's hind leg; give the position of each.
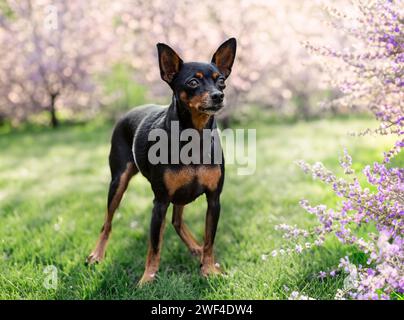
(183, 231)
(122, 170)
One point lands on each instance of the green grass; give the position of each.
(53, 187)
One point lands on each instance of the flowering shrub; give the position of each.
(373, 77)
(360, 206)
(370, 72)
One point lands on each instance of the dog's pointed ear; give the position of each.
(224, 56)
(169, 62)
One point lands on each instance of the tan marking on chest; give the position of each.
(174, 180)
(207, 176)
(199, 118)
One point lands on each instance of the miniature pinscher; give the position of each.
(197, 96)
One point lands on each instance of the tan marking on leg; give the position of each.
(209, 176)
(98, 253)
(123, 184)
(209, 266)
(183, 231)
(152, 260)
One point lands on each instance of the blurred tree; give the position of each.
(272, 68)
(49, 50)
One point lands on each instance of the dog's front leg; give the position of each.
(208, 265)
(156, 238)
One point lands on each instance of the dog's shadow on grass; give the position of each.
(179, 275)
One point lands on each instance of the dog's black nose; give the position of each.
(217, 97)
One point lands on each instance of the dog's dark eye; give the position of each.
(193, 83)
(220, 83)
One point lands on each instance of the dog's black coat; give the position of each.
(130, 139)
(197, 95)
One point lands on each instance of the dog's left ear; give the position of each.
(169, 61)
(224, 56)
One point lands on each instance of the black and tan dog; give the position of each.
(197, 96)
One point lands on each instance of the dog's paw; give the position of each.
(210, 269)
(146, 278)
(196, 251)
(94, 258)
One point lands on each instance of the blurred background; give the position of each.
(77, 60)
(305, 74)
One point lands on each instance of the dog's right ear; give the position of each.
(169, 61)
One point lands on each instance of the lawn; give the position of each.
(53, 186)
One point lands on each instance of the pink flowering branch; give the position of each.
(374, 78)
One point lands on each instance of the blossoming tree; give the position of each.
(57, 46)
(49, 51)
(272, 68)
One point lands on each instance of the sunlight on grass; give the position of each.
(53, 188)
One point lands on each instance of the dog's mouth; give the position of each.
(212, 108)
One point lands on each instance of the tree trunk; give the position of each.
(304, 111)
(52, 110)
